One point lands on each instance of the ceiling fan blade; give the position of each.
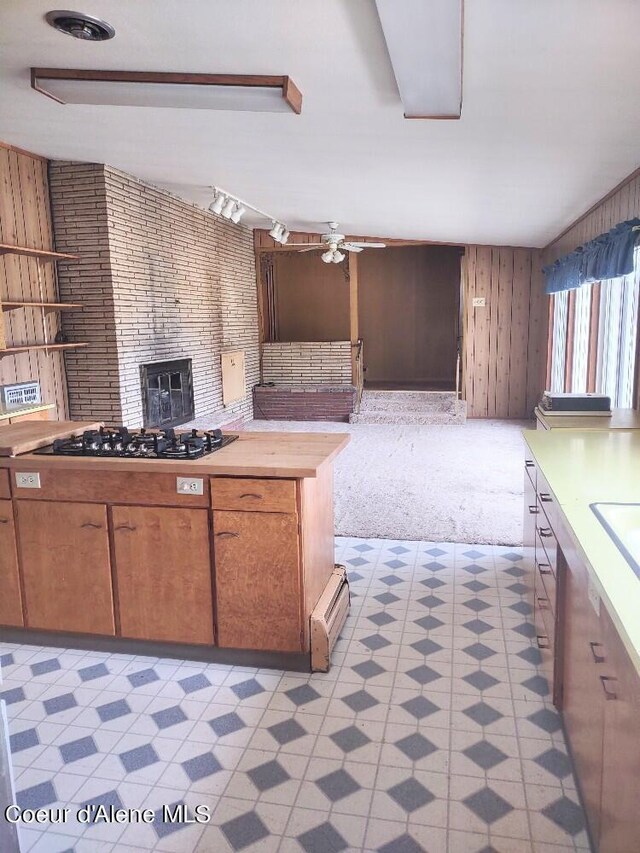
(370, 245)
(305, 247)
(350, 247)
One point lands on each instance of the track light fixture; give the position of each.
(232, 208)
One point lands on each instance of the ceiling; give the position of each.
(550, 119)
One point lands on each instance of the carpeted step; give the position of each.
(457, 414)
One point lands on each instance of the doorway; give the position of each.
(409, 317)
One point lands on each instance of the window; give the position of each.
(611, 359)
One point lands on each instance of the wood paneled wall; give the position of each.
(505, 343)
(25, 220)
(311, 298)
(408, 309)
(621, 204)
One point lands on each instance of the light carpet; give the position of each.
(432, 483)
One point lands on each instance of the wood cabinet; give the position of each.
(64, 550)
(583, 697)
(620, 803)
(258, 585)
(10, 595)
(163, 573)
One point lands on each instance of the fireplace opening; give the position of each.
(167, 393)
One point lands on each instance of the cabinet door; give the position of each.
(258, 580)
(163, 573)
(583, 697)
(10, 597)
(64, 549)
(620, 821)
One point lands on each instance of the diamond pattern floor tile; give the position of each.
(435, 692)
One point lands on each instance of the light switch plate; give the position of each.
(479, 301)
(190, 485)
(27, 480)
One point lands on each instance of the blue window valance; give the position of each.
(608, 256)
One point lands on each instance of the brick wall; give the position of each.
(161, 279)
(324, 363)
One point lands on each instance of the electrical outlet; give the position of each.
(479, 301)
(190, 485)
(27, 481)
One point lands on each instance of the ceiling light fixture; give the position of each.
(79, 25)
(243, 92)
(327, 256)
(338, 256)
(232, 208)
(238, 212)
(228, 208)
(424, 42)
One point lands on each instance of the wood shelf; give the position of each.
(10, 305)
(48, 347)
(43, 254)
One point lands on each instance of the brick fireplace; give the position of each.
(161, 280)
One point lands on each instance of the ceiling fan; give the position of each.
(335, 245)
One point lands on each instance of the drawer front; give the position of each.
(545, 629)
(531, 469)
(546, 544)
(546, 500)
(5, 491)
(103, 486)
(239, 493)
(548, 584)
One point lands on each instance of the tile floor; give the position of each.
(433, 731)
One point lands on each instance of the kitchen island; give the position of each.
(222, 557)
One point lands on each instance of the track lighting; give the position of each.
(228, 208)
(232, 208)
(218, 203)
(238, 212)
(276, 231)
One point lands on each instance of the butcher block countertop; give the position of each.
(29, 435)
(254, 454)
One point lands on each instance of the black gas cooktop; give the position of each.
(120, 442)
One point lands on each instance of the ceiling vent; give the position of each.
(80, 26)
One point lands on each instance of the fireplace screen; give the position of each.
(167, 393)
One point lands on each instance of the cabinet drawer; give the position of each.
(5, 491)
(103, 486)
(531, 469)
(238, 493)
(547, 578)
(546, 500)
(546, 544)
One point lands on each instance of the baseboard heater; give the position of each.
(328, 618)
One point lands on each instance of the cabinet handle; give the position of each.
(92, 525)
(528, 463)
(609, 694)
(596, 657)
(251, 495)
(545, 497)
(542, 606)
(124, 527)
(4, 521)
(543, 642)
(545, 531)
(534, 510)
(544, 569)
(228, 533)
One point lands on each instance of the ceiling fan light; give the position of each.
(218, 203)
(276, 231)
(238, 212)
(327, 256)
(338, 256)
